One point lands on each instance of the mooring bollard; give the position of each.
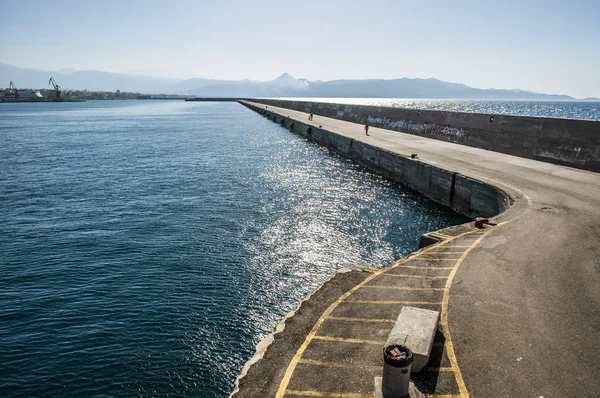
(396, 371)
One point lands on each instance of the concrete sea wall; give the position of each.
(569, 142)
(467, 196)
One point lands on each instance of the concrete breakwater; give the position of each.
(465, 195)
(273, 372)
(569, 142)
(506, 292)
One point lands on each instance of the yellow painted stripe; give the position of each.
(434, 369)
(444, 321)
(402, 288)
(340, 365)
(374, 320)
(393, 302)
(453, 246)
(444, 253)
(422, 267)
(434, 258)
(428, 249)
(417, 276)
(342, 340)
(327, 394)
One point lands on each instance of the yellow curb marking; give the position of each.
(444, 253)
(419, 267)
(339, 318)
(444, 321)
(394, 302)
(402, 288)
(342, 340)
(416, 276)
(434, 259)
(340, 365)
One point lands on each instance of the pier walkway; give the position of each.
(520, 300)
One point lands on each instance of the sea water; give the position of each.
(562, 109)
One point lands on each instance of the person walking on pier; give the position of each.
(367, 128)
(310, 117)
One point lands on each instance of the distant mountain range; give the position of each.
(284, 86)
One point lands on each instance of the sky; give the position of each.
(543, 46)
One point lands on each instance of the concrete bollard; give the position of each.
(397, 361)
(480, 222)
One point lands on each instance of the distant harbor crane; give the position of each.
(56, 89)
(14, 90)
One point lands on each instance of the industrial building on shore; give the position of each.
(20, 96)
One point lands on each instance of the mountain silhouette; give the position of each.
(283, 86)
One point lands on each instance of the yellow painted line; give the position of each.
(394, 302)
(434, 258)
(342, 340)
(327, 394)
(453, 246)
(444, 253)
(416, 276)
(340, 365)
(374, 320)
(434, 369)
(444, 321)
(439, 245)
(403, 288)
(420, 267)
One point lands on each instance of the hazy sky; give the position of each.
(544, 46)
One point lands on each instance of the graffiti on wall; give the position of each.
(434, 130)
(564, 153)
(453, 134)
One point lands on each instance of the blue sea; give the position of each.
(562, 109)
(146, 247)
